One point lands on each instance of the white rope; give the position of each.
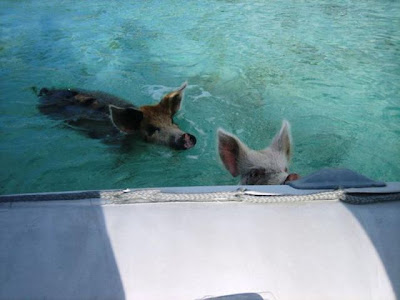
(151, 196)
(241, 195)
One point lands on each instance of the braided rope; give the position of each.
(151, 196)
(157, 196)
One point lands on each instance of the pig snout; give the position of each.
(291, 177)
(184, 142)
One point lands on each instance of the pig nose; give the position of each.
(186, 141)
(291, 177)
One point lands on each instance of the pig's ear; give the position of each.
(172, 101)
(229, 148)
(126, 120)
(282, 142)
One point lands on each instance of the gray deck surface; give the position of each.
(83, 249)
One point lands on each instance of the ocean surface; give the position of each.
(331, 68)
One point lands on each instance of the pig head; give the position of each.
(154, 123)
(267, 166)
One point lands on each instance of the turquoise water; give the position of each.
(332, 68)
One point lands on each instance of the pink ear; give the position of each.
(229, 148)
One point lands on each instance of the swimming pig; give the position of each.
(103, 115)
(268, 166)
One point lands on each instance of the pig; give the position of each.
(264, 167)
(103, 115)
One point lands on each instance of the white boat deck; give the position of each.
(88, 249)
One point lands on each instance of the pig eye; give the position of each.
(286, 169)
(150, 129)
(257, 173)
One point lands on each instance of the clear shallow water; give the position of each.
(332, 68)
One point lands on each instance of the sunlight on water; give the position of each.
(332, 68)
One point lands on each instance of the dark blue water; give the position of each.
(332, 68)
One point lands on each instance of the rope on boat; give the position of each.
(240, 195)
(152, 196)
